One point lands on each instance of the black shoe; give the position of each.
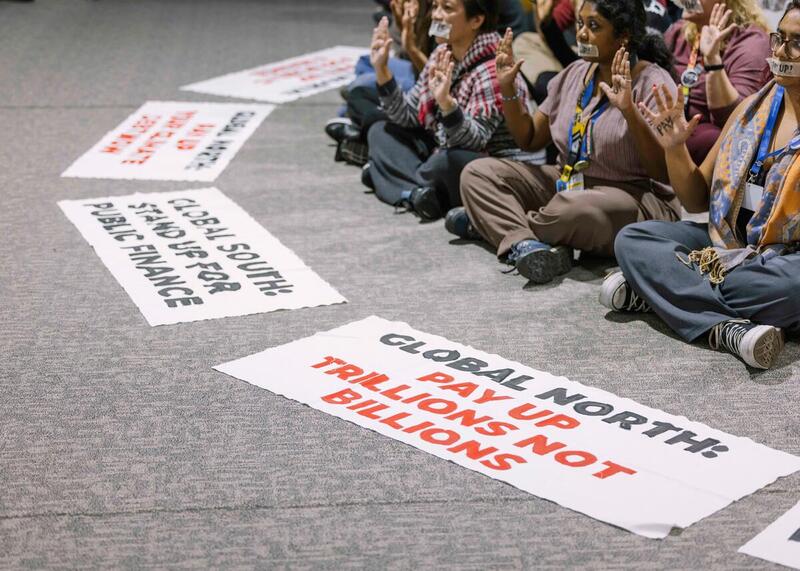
(342, 129)
(425, 203)
(366, 177)
(457, 222)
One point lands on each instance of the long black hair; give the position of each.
(629, 17)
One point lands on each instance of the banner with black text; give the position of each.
(611, 458)
(195, 254)
(169, 140)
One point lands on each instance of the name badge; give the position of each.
(752, 196)
(575, 183)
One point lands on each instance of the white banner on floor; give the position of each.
(611, 458)
(170, 140)
(195, 254)
(780, 542)
(289, 79)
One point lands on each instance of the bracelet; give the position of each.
(514, 97)
(714, 67)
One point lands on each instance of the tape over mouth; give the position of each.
(690, 6)
(439, 30)
(784, 68)
(588, 50)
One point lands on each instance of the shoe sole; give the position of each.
(609, 290)
(766, 348)
(541, 266)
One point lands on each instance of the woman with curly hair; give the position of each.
(611, 168)
(720, 52)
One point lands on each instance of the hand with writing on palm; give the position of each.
(440, 79)
(669, 123)
(379, 48)
(620, 94)
(505, 66)
(714, 35)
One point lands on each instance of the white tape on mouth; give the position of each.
(439, 30)
(690, 6)
(783, 68)
(587, 50)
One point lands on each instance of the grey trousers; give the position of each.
(765, 292)
(401, 160)
(508, 201)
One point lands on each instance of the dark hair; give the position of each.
(792, 5)
(629, 17)
(485, 8)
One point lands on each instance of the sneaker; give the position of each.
(617, 295)
(457, 222)
(342, 129)
(425, 203)
(756, 345)
(540, 262)
(366, 177)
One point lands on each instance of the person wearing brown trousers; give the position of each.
(611, 167)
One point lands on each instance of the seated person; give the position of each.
(737, 278)
(449, 118)
(548, 52)
(610, 162)
(409, 30)
(720, 57)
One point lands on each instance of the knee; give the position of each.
(377, 134)
(474, 178)
(569, 211)
(629, 240)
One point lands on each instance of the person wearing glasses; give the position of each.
(720, 53)
(737, 278)
(611, 169)
(450, 117)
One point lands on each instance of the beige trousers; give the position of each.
(508, 201)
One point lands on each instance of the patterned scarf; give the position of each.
(474, 87)
(775, 227)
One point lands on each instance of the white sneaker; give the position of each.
(756, 345)
(617, 295)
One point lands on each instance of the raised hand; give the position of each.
(440, 79)
(408, 34)
(507, 68)
(544, 11)
(397, 6)
(619, 94)
(714, 35)
(379, 48)
(669, 124)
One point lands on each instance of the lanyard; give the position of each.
(578, 158)
(691, 75)
(766, 139)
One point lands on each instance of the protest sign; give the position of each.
(168, 140)
(611, 458)
(195, 254)
(289, 79)
(780, 542)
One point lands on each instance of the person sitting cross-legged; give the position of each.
(450, 117)
(737, 278)
(611, 168)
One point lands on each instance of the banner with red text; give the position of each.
(780, 542)
(611, 458)
(289, 79)
(195, 254)
(169, 140)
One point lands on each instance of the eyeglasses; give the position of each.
(791, 46)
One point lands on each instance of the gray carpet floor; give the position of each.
(120, 447)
